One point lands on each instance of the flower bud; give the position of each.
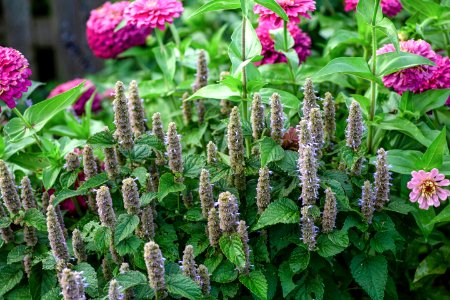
(174, 150)
(304, 135)
(89, 164)
(153, 179)
(157, 127)
(72, 161)
(122, 119)
(309, 100)
(309, 180)
(236, 149)
(27, 264)
(205, 191)
(316, 128)
(186, 108)
(211, 153)
(329, 112)
(355, 126)
(8, 190)
(147, 226)
(382, 179)
(105, 207)
(44, 201)
(114, 291)
(204, 280)
(243, 234)
(72, 285)
(28, 202)
(263, 190)
(228, 212)
(6, 233)
(329, 211)
(257, 116)
(79, 249)
(155, 269)
(130, 196)
(367, 202)
(136, 110)
(201, 81)
(188, 264)
(213, 228)
(309, 230)
(56, 235)
(276, 119)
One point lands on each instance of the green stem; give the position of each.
(244, 84)
(30, 127)
(285, 33)
(373, 84)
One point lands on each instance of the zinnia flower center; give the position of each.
(428, 188)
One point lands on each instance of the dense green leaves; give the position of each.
(281, 211)
(370, 272)
(436, 262)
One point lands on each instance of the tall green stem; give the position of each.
(373, 84)
(244, 84)
(29, 126)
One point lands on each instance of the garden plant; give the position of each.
(238, 149)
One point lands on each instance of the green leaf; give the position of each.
(275, 7)
(232, 247)
(129, 246)
(89, 274)
(310, 287)
(4, 222)
(384, 241)
(102, 238)
(270, 151)
(366, 9)
(347, 65)
(434, 156)
(180, 285)
(193, 164)
(285, 273)
(388, 28)
(66, 193)
(94, 182)
(299, 259)
(50, 175)
(166, 60)
(281, 211)
(126, 224)
(404, 126)
(370, 272)
(443, 216)
(130, 279)
(16, 254)
(152, 141)
(403, 161)
(216, 91)
(392, 62)
(435, 263)
(287, 99)
(141, 174)
(424, 220)
(256, 282)
(102, 139)
(168, 185)
(33, 217)
(428, 100)
(216, 5)
(225, 272)
(332, 243)
(140, 152)
(11, 276)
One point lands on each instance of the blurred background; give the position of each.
(51, 34)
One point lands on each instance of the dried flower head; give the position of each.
(309, 230)
(114, 291)
(263, 190)
(174, 149)
(329, 211)
(153, 179)
(29, 236)
(45, 201)
(205, 191)
(157, 126)
(427, 188)
(111, 163)
(186, 108)
(243, 234)
(211, 150)
(130, 196)
(122, 119)
(155, 268)
(79, 249)
(257, 116)
(89, 164)
(382, 178)
(201, 81)
(355, 126)
(72, 285)
(228, 212)
(188, 264)
(203, 279)
(236, 149)
(136, 110)
(213, 228)
(105, 207)
(316, 128)
(27, 264)
(56, 235)
(147, 225)
(329, 112)
(72, 161)
(309, 100)
(6, 233)
(357, 166)
(367, 201)
(309, 180)
(8, 189)
(188, 199)
(304, 135)
(276, 118)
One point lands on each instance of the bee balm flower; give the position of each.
(427, 188)
(153, 13)
(14, 74)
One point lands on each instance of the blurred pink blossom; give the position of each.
(153, 13)
(293, 8)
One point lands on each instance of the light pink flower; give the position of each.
(427, 188)
(89, 89)
(411, 79)
(302, 43)
(103, 39)
(389, 7)
(293, 8)
(153, 13)
(14, 74)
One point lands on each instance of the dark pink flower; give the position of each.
(389, 7)
(302, 43)
(101, 32)
(427, 188)
(153, 13)
(89, 89)
(14, 74)
(412, 79)
(293, 8)
(441, 76)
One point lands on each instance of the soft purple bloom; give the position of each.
(427, 188)
(14, 74)
(89, 89)
(293, 8)
(153, 13)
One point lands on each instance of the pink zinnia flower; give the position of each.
(415, 78)
(293, 8)
(427, 188)
(78, 106)
(302, 43)
(441, 76)
(389, 7)
(14, 74)
(101, 32)
(153, 13)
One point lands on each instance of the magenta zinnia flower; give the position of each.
(441, 76)
(427, 188)
(153, 13)
(302, 43)
(102, 38)
(389, 7)
(412, 79)
(14, 74)
(78, 106)
(293, 8)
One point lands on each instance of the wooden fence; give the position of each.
(51, 34)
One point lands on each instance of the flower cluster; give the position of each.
(389, 7)
(14, 74)
(293, 8)
(153, 13)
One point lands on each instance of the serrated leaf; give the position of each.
(94, 182)
(152, 141)
(332, 243)
(11, 276)
(102, 139)
(90, 276)
(225, 272)
(181, 285)
(232, 247)
(129, 246)
(270, 151)
(33, 217)
(130, 279)
(193, 164)
(433, 263)
(281, 211)
(4, 222)
(102, 238)
(256, 282)
(16, 254)
(370, 272)
(285, 274)
(299, 259)
(126, 224)
(141, 174)
(168, 185)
